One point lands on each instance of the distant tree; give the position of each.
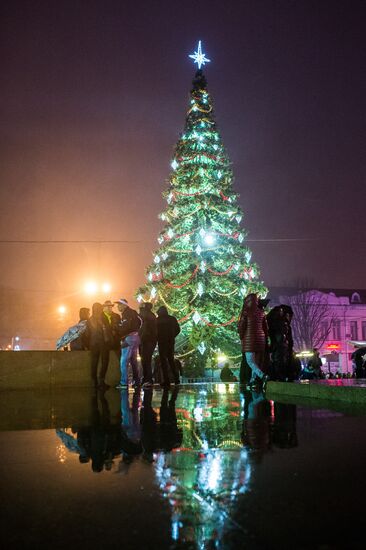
(313, 316)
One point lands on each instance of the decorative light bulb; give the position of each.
(196, 317)
(202, 348)
(209, 239)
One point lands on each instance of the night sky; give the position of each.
(94, 96)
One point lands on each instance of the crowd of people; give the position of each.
(127, 334)
(266, 341)
(267, 344)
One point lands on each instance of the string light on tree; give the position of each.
(209, 239)
(202, 257)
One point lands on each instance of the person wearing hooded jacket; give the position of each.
(168, 329)
(253, 332)
(148, 339)
(99, 336)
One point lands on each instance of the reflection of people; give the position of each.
(284, 426)
(99, 442)
(148, 419)
(227, 375)
(253, 334)
(255, 430)
(170, 435)
(130, 427)
(148, 338)
(168, 329)
(165, 434)
(81, 342)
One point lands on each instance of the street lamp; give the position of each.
(106, 288)
(15, 343)
(62, 309)
(91, 287)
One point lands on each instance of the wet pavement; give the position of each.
(201, 467)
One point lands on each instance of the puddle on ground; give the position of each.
(202, 466)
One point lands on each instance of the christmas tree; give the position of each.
(202, 269)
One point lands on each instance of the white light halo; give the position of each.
(199, 57)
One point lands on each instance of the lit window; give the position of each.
(354, 330)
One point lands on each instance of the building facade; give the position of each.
(328, 319)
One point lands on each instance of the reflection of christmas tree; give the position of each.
(202, 268)
(210, 418)
(202, 489)
(203, 478)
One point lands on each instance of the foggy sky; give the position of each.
(94, 96)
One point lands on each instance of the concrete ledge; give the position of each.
(348, 392)
(49, 369)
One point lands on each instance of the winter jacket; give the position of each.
(114, 321)
(168, 328)
(252, 328)
(148, 331)
(98, 333)
(80, 343)
(131, 322)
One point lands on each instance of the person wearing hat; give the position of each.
(148, 338)
(129, 334)
(113, 320)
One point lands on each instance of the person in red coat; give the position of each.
(253, 332)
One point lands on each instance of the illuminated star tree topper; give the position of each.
(199, 57)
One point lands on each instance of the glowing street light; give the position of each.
(91, 287)
(106, 288)
(62, 309)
